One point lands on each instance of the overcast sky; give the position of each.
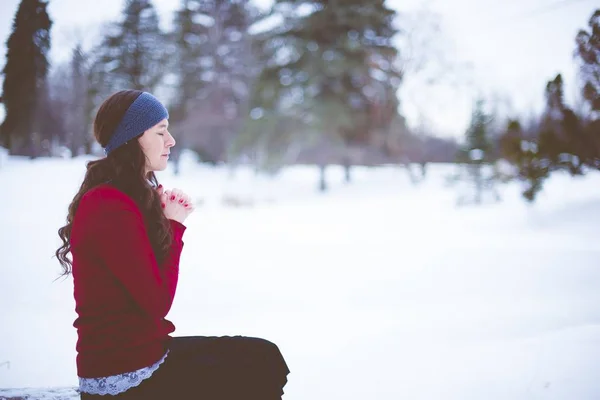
(504, 49)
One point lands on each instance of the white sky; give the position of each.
(505, 49)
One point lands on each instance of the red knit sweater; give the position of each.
(122, 295)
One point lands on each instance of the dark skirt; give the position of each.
(214, 368)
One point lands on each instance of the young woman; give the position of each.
(125, 236)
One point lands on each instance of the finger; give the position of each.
(160, 189)
(185, 199)
(179, 196)
(172, 196)
(175, 194)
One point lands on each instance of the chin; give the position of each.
(159, 167)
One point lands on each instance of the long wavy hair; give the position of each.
(123, 168)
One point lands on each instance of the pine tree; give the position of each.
(329, 71)
(80, 121)
(25, 72)
(523, 152)
(478, 135)
(592, 134)
(70, 104)
(588, 52)
(562, 139)
(189, 37)
(477, 150)
(559, 141)
(83, 89)
(134, 52)
(214, 61)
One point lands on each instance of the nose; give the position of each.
(170, 140)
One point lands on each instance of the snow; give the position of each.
(378, 289)
(40, 394)
(3, 156)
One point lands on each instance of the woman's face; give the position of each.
(156, 143)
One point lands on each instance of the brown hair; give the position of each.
(124, 168)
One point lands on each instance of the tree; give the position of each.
(592, 133)
(477, 151)
(522, 151)
(214, 61)
(134, 52)
(79, 118)
(558, 141)
(478, 144)
(330, 71)
(25, 72)
(588, 53)
(69, 88)
(562, 138)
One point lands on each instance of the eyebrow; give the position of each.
(163, 125)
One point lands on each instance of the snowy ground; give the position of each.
(376, 290)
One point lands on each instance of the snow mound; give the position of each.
(64, 393)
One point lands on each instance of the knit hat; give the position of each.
(145, 112)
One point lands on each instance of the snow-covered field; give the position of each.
(375, 290)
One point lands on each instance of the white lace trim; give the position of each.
(116, 384)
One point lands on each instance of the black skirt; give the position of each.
(214, 368)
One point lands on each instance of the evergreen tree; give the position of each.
(478, 150)
(478, 145)
(23, 91)
(562, 139)
(69, 85)
(329, 73)
(588, 52)
(558, 142)
(134, 52)
(214, 61)
(101, 83)
(190, 38)
(523, 152)
(592, 134)
(85, 89)
(79, 118)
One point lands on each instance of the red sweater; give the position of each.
(122, 295)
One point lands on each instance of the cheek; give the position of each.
(157, 145)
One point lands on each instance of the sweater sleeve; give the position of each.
(120, 234)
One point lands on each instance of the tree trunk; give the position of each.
(87, 145)
(73, 147)
(177, 166)
(34, 144)
(6, 141)
(176, 157)
(347, 172)
(478, 184)
(322, 178)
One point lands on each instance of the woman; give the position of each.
(124, 233)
